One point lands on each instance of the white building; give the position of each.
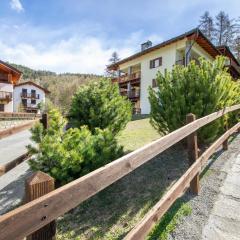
(18, 97)
(9, 76)
(137, 72)
(27, 96)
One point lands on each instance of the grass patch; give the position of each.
(170, 220)
(113, 212)
(137, 134)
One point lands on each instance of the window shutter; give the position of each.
(151, 64)
(154, 83)
(160, 61)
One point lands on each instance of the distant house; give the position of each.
(137, 72)
(9, 76)
(27, 96)
(16, 96)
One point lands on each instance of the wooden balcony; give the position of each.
(30, 108)
(182, 61)
(135, 93)
(136, 110)
(30, 95)
(5, 96)
(128, 77)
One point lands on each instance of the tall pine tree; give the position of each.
(114, 58)
(224, 29)
(207, 25)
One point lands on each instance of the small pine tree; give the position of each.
(67, 155)
(195, 89)
(99, 105)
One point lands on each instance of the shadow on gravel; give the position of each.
(114, 211)
(11, 196)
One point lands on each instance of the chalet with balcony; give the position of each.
(9, 76)
(137, 72)
(28, 96)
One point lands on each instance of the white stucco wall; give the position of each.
(168, 54)
(7, 87)
(17, 96)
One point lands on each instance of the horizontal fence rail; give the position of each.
(18, 115)
(154, 215)
(34, 215)
(18, 128)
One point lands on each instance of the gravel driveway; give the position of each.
(193, 227)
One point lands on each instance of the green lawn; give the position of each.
(112, 213)
(137, 134)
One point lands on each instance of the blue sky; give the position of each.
(80, 35)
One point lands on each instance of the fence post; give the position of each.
(193, 153)
(225, 143)
(36, 186)
(44, 120)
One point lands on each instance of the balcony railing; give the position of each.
(129, 77)
(182, 61)
(135, 93)
(5, 96)
(30, 95)
(136, 110)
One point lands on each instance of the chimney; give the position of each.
(146, 45)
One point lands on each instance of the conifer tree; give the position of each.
(207, 25)
(198, 89)
(224, 29)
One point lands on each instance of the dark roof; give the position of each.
(226, 48)
(34, 84)
(10, 66)
(194, 32)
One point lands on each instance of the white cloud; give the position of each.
(83, 55)
(16, 5)
(82, 52)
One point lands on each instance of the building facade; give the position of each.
(16, 96)
(137, 72)
(28, 96)
(9, 76)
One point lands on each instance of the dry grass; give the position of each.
(114, 211)
(137, 134)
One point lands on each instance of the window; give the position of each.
(1, 107)
(33, 93)
(154, 83)
(24, 102)
(156, 62)
(24, 92)
(33, 101)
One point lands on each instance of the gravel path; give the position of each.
(12, 187)
(214, 175)
(14, 146)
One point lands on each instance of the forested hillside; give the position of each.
(61, 86)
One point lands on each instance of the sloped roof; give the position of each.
(194, 34)
(34, 84)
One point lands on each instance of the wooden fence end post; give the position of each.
(44, 120)
(36, 186)
(193, 153)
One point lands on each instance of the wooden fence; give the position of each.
(34, 215)
(18, 115)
